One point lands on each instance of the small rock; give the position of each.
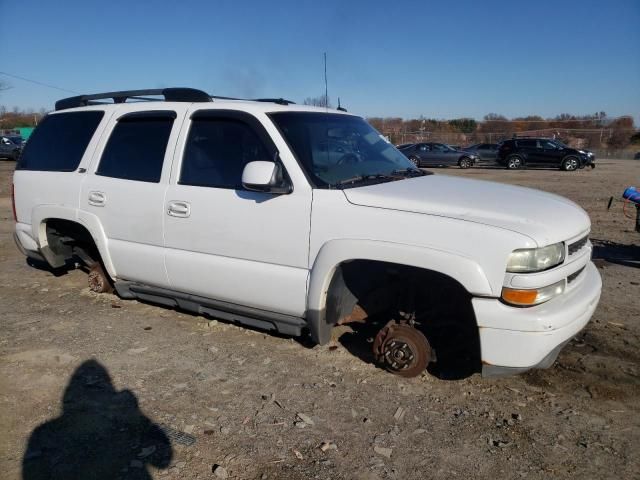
(298, 455)
(134, 351)
(299, 424)
(212, 349)
(385, 452)
(324, 446)
(399, 415)
(305, 418)
(219, 471)
(180, 464)
(225, 430)
(145, 452)
(516, 416)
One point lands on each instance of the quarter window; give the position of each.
(59, 142)
(136, 148)
(217, 151)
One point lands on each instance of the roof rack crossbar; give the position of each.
(169, 94)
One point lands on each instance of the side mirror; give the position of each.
(264, 176)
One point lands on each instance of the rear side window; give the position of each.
(527, 143)
(136, 148)
(217, 151)
(59, 142)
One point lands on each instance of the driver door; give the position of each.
(224, 242)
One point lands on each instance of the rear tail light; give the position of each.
(13, 202)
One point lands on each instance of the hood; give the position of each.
(544, 217)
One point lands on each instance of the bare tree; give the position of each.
(319, 101)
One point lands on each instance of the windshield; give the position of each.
(339, 151)
(17, 140)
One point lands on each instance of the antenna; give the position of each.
(326, 88)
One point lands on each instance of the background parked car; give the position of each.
(518, 152)
(11, 146)
(637, 156)
(438, 155)
(486, 152)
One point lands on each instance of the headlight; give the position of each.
(535, 259)
(531, 297)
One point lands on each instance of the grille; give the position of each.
(574, 275)
(576, 246)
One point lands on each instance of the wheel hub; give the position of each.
(402, 349)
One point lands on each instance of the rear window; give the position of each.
(59, 142)
(136, 148)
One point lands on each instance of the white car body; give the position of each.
(277, 257)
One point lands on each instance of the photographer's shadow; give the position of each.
(101, 434)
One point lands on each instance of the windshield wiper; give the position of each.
(363, 179)
(409, 172)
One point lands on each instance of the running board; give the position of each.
(230, 312)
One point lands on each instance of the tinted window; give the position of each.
(136, 148)
(527, 143)
(59, 142)
(217, 151)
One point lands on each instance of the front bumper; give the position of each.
(535, 335)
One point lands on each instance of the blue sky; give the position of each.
(405, 58)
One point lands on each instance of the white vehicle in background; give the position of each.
(295, 218)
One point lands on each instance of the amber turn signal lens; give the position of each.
(519, 297)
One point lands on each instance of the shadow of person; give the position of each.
(101, 434)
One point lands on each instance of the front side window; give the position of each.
(136, 148)
(59, 141)
(338, 151)
(217, 151)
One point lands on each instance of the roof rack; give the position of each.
(169, 94)
(279, 101)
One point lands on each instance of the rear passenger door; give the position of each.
(125, 189)
(224, 242)
(528, 148)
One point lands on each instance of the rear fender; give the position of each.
(42, 213)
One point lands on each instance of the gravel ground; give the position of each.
(122, 389)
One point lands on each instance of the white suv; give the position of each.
(295, 218)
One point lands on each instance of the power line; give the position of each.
(38, 83)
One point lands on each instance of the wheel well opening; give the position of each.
(364, 295)
(69, 241)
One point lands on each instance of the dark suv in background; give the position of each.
(520, 152)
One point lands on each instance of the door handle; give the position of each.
(97, 199)
(179, 209)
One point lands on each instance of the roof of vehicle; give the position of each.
(136, 100)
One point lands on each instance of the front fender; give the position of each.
(464, 270)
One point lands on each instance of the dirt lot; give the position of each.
(260, 406)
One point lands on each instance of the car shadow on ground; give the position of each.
(101, 434)
(612, 252)
(45, 267)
